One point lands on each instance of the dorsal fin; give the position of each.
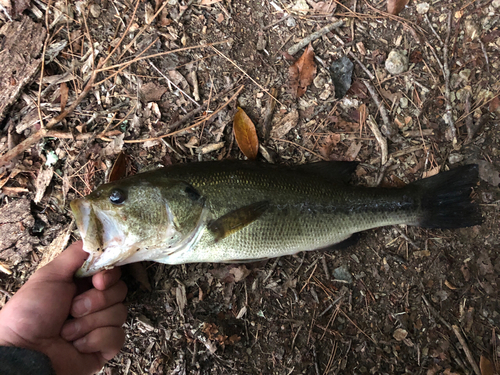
(331, 171)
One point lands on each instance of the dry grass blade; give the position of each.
(245, 134)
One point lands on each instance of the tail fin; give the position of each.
(445, 199)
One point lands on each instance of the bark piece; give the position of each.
(20, 58)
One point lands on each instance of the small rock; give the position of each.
(261, 42)
(95, 10)
(495, 3)
(301, 7)
(341, 273)
(403, 102)
(290, 22)
(397, 62)
(400, 334)
(423, 8)
(455, 158)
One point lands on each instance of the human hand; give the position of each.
(37, 316)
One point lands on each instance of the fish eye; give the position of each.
(117, 196)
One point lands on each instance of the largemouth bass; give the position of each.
(241, 211)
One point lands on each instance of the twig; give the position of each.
(406, 238)
(483, 48)
(383, 169)
(318, 34)
(173, 84)
(6, 12)
(387, 129)
(432, 29)
(305, 148)
(276, 22)
(446, 72)
(466, 349)
(360, 63)
(382, 142)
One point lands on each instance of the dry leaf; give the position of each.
(396, 6)
(324, 7)
(302, 72)
(486, 366)
(114, 147)
(64, 95)
(57, 246)
(119, 169)
(245, 134)
(42, 181)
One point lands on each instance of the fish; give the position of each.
(242, 211)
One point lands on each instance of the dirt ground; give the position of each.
(401, 300)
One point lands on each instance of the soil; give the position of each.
(387, 304)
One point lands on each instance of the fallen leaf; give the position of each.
(151, 92)
(245, 134)
(329, 144)
(302, 72)
(64, 95)
(240, 273)
(400, 334)
(341, 73)
(114, 147)
(396, 6)
(494, 104)
(486, 366)
(119, 169)
(57, 246)
(42, 181)
(324, 7)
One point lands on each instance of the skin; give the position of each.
(76, 323)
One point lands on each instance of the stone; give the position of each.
(397, 62)
(423, 8)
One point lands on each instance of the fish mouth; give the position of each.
(87, 223)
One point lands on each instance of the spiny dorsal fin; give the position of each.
(237, 219)
(331, 171)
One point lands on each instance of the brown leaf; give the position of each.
(245, 134)
(119, 169)
(396, 6)
(324, 7)
(64, 95)
(486, 366)
(42, 181)
(302, 72)
(494, 104)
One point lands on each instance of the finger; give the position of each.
(113, 316)
(63, 267)
(95, 300)
(106, 340)
(105, 279)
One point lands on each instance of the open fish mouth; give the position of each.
(99, 232)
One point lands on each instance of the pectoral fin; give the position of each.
(237, 219)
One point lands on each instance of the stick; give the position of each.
(318, 34)
(446, 72)
(380, 139)
(387, 129)
(466, 349)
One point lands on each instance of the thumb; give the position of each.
(65, 265)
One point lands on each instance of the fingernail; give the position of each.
(70, 330)
(80, 344)
(81, 307)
